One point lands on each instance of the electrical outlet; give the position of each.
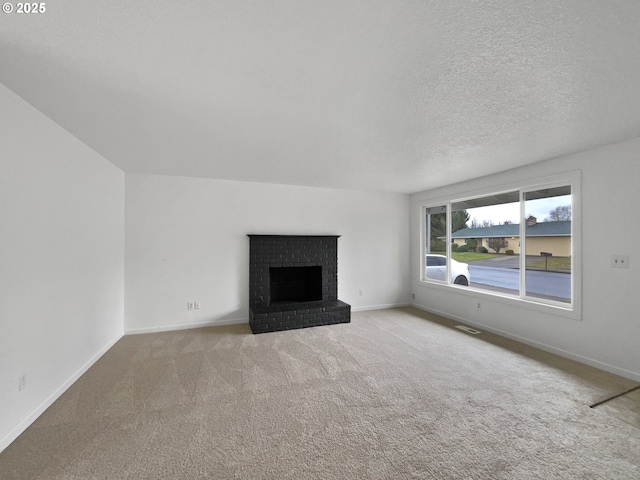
(22, 381)
(413, 296)
(479, 306)
(620, 261)
(189, 305)
(361, 292)
(196, 305)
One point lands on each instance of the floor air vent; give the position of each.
(473, 331)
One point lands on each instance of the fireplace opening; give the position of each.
(295, 284)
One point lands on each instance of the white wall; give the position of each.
(187, 240)
(61, 261)
(608, 335)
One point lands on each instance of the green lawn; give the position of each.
(471, 256)
(553, 263)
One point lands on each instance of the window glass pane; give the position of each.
(436, 243)
(485, 236)
(548, 244)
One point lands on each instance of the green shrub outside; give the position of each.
(438, 245)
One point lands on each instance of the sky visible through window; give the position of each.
(510, 212)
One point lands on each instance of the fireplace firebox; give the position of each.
(293, 282)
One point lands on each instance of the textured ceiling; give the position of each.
(379, 95)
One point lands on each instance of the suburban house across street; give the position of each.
(548, 237)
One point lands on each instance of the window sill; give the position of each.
(569, 311)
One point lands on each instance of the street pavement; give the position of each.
(503, 273)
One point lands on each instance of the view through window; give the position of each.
(548, 243)
(516, 243)
(436, 243)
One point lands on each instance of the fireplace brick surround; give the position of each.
(294, 251)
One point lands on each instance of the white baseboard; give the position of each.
(32, 417)
(235, 321)
(185, 326)
(542, 346)
(379, 307)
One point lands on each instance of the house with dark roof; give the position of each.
(549, 237)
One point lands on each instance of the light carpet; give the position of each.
(396, 394)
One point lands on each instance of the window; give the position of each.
(491, 220)
(517, 243)
(436, 245)
(548, 244)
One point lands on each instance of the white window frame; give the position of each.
(571, 309)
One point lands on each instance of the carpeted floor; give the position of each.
(396, 394)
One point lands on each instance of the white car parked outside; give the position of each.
(436, 269)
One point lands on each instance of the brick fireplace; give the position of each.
(293, 282)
